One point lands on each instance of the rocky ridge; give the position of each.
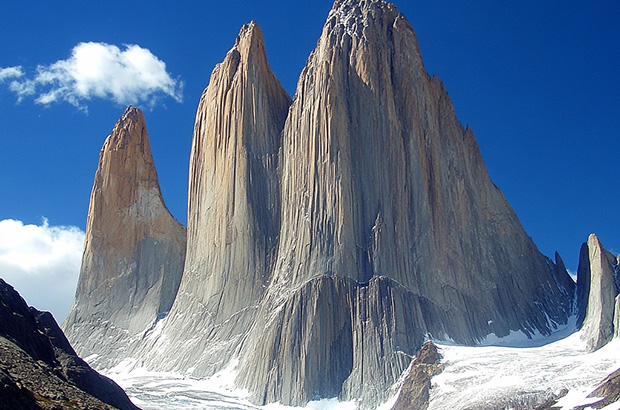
(38, 367)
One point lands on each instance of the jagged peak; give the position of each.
(132, 114)
(353, 15)
(250, 31)
(356, 5)
(126, 215)
(596, 248)
(248, 55)
(594, 241)
(597, 288)
(378, 24)
(250, 43)
(130, 128)
(126, 158)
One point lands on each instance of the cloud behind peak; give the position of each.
(42, 262)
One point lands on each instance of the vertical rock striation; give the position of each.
(597, 289)
(133, 252)
(391, 230)
(233, 206)
(328, 237)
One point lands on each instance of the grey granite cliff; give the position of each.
(391, 230)
(597, 291)
(380, 228)
(233, 210)
(329, 236)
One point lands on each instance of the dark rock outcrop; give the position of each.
(134, 249)
(415, 391)
(38, 367)
(597, 290)
(609, 390)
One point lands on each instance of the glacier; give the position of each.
(510, 374)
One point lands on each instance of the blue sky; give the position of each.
(537, 81)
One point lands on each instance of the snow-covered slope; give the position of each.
(483, 377)
(497, 377)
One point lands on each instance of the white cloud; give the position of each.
(42, 263)
(98, 70)
(11, 72)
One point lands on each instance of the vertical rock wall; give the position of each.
(391, 230)
(234, 207)
(597, 285)
(329, 236)
(133, 252)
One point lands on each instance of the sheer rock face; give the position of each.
(234, 209)
(38, 367)
(597, 289)
(617, 316)
(391, 229)
(330, 236)
(134, 249)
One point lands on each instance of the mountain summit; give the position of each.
(233, 208)
(329, 236)
(134, 249)
(391, 230)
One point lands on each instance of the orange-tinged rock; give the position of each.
(134, 249)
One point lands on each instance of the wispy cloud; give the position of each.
(132, 75)
(11, 72)
(42, 262)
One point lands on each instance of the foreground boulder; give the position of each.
(415, 391)
(40, 370)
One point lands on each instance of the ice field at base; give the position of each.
(473, 377)
(162, 391)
